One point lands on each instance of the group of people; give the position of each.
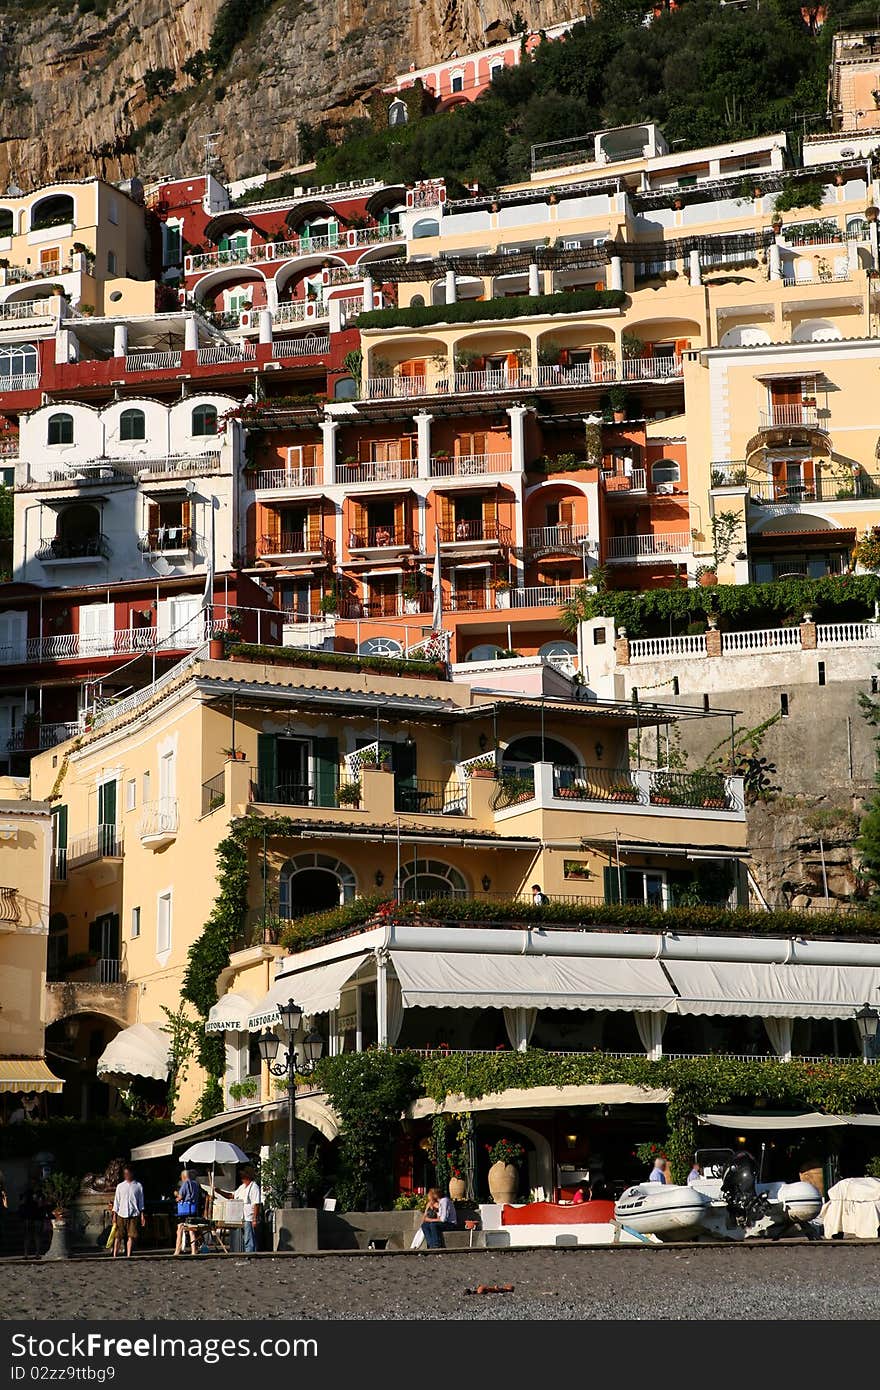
(192, 1211)
(661, 1172)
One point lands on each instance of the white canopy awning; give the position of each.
(315, 991)
(772, 991)
(467, 981)
(230, 1014)
(766, 1119)
(144, 1049)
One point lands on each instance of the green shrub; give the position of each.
(511, 307)
(335, 661)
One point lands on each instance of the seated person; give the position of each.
(440, 1216)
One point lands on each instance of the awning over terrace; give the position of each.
(473, 981)
(316, 991)
(750, 990)
(230, 1014)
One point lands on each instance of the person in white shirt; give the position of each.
(695, 1175)
(249, 1194)
(440, 1216)
(128, 1212)
(658, 1172)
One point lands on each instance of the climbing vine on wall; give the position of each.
(370, 1091)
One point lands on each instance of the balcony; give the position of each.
(24, 309)
(10, 907)
(105, 471)
(311, 346)
(643, 549)
(644, 787)
(278, 479)
(97, 986)
(343, 794)
(263, 252)
(159, 822)
(417, 796)
(175, 540)
(468, 532)
(783, 415)
(793, 492)
(85, 551)
(74, 646)
(300, 544)
(469, 465)
(102, 846)
(219, 353)
(40, 736)
(607, 371)
(152, 361)
(377, 471)
(598, 373)
(562, 538)
(626, 483)
(541, 596)
(382, 538)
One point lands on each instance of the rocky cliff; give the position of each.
(75, 76)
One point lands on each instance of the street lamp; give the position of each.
(867, 1018)
(290, 1015)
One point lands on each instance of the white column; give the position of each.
(775, 262)
(190, 334)
(451, 288)
(63, 340)
(615, 273)
(368, 293)
(872, 237)
(423, 442)
(694, 268)
(265, 326)
(517, 415)
(328, 432)
(120, 339)
(534, 278)
(382, 998)
(272, 293)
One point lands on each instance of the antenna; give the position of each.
(210, 151)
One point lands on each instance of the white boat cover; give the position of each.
(316, 991)
(852, 1209)
(472, 981)
(144, 1049)
(771, 991)
(230, 1014)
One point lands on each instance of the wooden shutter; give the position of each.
(612, 883)
(365, 451)
(681, 346)
(326, 755)
(445, 516)
(186, 515)
(271, 522)
(566, 513)
(267, 765)
(490, 515)
(152, 522)
(313, 529)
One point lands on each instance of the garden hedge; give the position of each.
(514, 306)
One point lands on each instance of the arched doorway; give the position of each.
(314, 883)
(430, 878)
(532, 748)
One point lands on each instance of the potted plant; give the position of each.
(483, 766)
(706, 576)
(502, 593)
(505, 1157)
(622, 791)
(60, 1190)
(378, 758)
(235, 754)
(411, 593)
(349, 794)
(457, 1183)
(329, 604)
(242, 1091)
(617, 404)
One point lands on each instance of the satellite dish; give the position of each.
(161, 566)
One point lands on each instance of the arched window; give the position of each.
(204, 421)
(485, 652)
(6, 222)
(79, 532)
(430, 878)
(426, 226)
(312, 883)
(533, 749)
(132, 425)
(345, 389)
(397, 113)
(417, 301)
(60, 429)
(380, 646)
(54, 211)
(19, 359)
(665, 472)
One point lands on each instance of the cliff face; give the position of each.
(72, 90)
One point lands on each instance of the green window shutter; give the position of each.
(326, 754)
(612, 883)
(59, 820)
(95, 934)
(267, 762)
(333, 233)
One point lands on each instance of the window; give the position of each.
(397, 113)
(457, 83)
(254, 1061)
(665, 471)
(173, 243)
(135, 923)
(131, 787)
(111, 262)
(20, 360)
(169, 525)
(430, 878)
(113, 212)
(163, 923)
(6, 222)
(495, 71)
(204, 421)
(132, 425)
(145, 794)
(60, 429)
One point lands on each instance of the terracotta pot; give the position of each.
(216, 649)
(503, 1182)
(619, 417)
(457, 1189)
(488, 772)
(708, 579)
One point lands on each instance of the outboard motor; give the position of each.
(739, 1190)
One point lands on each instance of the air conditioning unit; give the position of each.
(665, 489)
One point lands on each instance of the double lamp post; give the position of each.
(290, 1016)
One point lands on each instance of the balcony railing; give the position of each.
(469, 465)
(542, 595)
(377, 471)
(226, 352)
(159, 819)
(261, 252)
(417, 796)
(114, 470)
(300, 347)
(40, 736)
(463, 531)
(556, 537)
(818, 489)
(152, 361)
(23, 381)
(104, 842)
(10, 908)
(694, 791)
(168, 538)
(283, 792)
(781, 415)
(106, 971)
(634, 481)
(604, 371)
(379, 537)
(269, 479)
(778, 639)
(298, 310)
(60, 549)
(598, 373)
(29, 309)
(648, 547)
(292, 543)
(768, 571)
(213, 793)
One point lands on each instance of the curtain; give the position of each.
(519, 1025)
(650, 1029)
(779, 1033)
(395, 1009)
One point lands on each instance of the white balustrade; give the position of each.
(274, 478)
(469, 465)
(847, 634)
(646, 547)
(549, 537)
(377, 471)
(29, 308)
(654, 648)
(152, 361)
(761, 640)
(541, 596)
(159, 818)
(794, 414)
(226, 352)
(146, 694)
(300, 347)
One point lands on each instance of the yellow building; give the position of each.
(25, 854)
(337, 784)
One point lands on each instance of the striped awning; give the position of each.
(23, 1075)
